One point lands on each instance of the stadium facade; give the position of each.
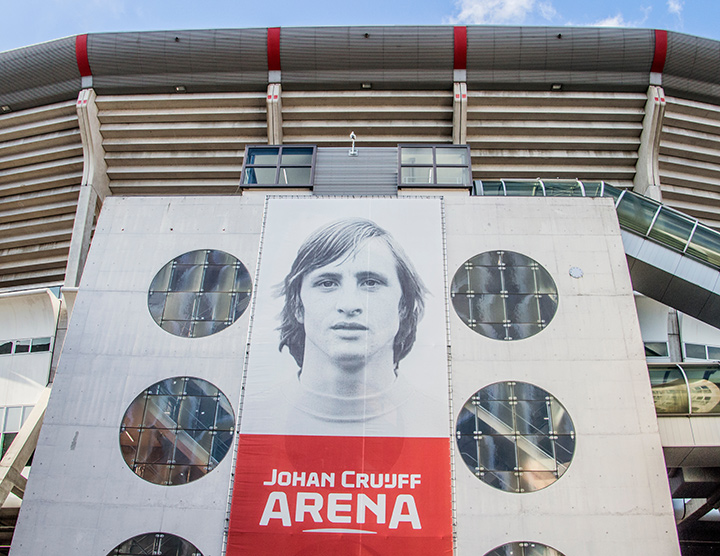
(486, 323)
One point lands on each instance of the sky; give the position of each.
(27, 22)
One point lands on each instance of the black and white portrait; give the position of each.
(349, 324)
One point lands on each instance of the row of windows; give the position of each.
(692, 351)
(34, 345)
(444, 165)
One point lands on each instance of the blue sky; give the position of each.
(27, 22)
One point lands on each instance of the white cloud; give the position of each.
(675, 6)
(500, 11)
(619, 20)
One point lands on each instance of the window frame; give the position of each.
(278, 166)
(434, 166)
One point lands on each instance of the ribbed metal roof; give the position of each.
(389, 57)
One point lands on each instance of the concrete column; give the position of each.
(647, 169)
(274, 114)
(95, 185)
(460, 113)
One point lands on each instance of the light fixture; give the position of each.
(366, 85)
(556, 87)
(353, 150)
(5, 109)
(180, 89)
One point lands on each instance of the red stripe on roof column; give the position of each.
(273, 48)
(460, 61)
(81, 54)
(658, 64)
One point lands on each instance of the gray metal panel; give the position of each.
(372, 172)
(691, 68)
(40, 74)
(217, 60)
(344, 57)
(579, 58)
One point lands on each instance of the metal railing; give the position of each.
(636, 213)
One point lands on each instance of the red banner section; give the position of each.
(329, 495)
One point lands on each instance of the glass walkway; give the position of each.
(672, 257)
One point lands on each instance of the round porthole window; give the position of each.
(504, 295)
(524, 549)
(199, 293)
(515, 436)
(177, 431)
(163, 544)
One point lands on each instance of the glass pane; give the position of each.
(497, 453)
(495, 417)
(705, 245)
(562, 189)
(493, 188)
(636, 213)
(519, 279)
(180, 306)
(192, 257)
(416, 155)
(713, 353)
(40, 344)
(220, 257)
(22, 346)
(263, 155)
(13, 419)
(297, 156)
(213, 306)
(264, 176)
(522, 308)
(487, 308)
(453, 176)
(704, 388)
(410, 175)
(533, 418)
(5, 348)
(669, 390)
(611, 191)
(294, 176)
(186, 278)
(656, 349)
(592, 188)
(695, 351)
(523, 189)
(219, 278)
(451, 155)
(162, 279)
(672, 229)
(155, 446)
(484, 279)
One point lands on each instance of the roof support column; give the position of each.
(274, 114)
(647, 168)
(95, 185)
(460, 113)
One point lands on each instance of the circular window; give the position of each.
(524, 549)
(156, 543)
(177, 431)
(199, 293)
(504, 295)
(515, 436)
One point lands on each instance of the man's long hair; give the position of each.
(330, 243)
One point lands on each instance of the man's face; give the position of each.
(350, 306)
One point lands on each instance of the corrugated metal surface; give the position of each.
(217, 60)
(372, 172)
(175, 144)
(378, 118)
(387, 57)
(40, 174)
(690, 159)
(555, 135)
(691, 70)
(40, 74)
(580, 58)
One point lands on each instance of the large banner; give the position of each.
(345, 425)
